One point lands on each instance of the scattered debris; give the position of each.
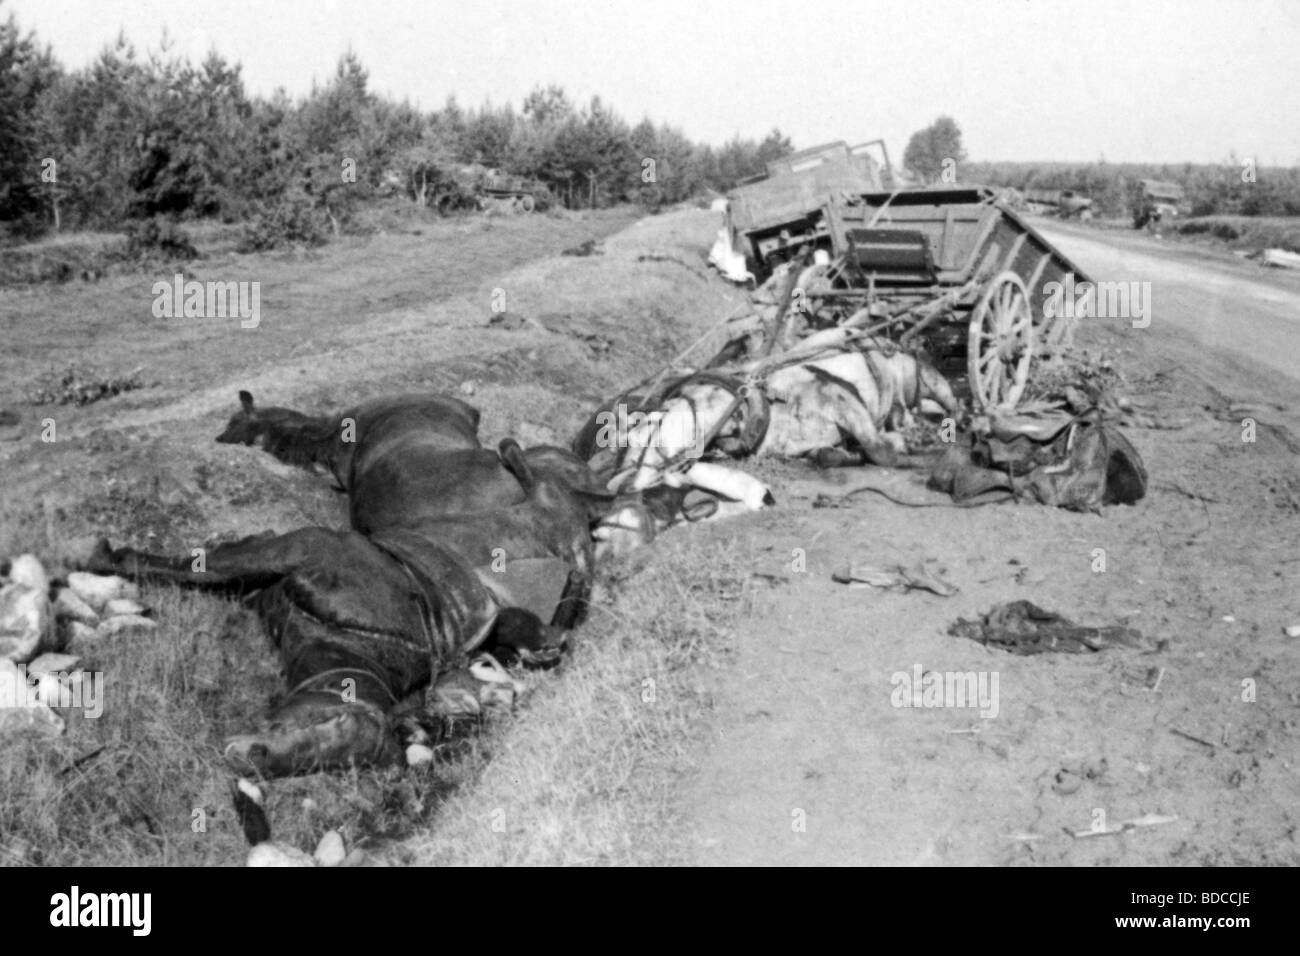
(511, 321)
(1022, 627)
(9, 425)
(1079, 463)
(82, 387)
(894, 577)
(654, 257)
(1069, 779)
(1147, 820)
(1193, 738)
(588, 248)
(1280, 258)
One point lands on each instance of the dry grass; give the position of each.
(1246, 232)
(587, 773)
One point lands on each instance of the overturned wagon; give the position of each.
(951, 270)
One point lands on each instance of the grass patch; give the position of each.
(1247, 232)
(587, 773)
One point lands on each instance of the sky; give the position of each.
(1066, 80)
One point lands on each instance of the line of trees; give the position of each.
(133, 137)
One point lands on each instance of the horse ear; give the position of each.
(246, 400)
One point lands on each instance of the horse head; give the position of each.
(290, 436)
(244, 427)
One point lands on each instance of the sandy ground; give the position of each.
(809, 762)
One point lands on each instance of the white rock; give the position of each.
(98, 589)
(53, 690)
(75, 632)
(26, 570)
(12, 679)
(417, 755)
(120, 606)
(26, 622)
(53, 664)
(1292, 631)
(330, 851)
(17, 716)
(69, 607)
(125, 622)
(37, 720)
(278, 854)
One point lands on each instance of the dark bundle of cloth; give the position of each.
(1079, 463)
(1025, 628)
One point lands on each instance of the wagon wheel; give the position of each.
(1000, 345)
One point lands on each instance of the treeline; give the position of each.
(152, 138)
(1235, 187)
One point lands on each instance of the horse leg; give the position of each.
(345, 664)
(313, 733)
(853, 418)
(245, 565)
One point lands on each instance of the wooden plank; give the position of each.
(1016, 246)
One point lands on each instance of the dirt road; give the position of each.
(811, 762)
(1227, 304)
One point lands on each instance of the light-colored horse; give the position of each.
(854, 398)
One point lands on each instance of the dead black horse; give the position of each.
(454, 551)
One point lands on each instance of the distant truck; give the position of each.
(1155, 202)
(1065, 203)
(780, 210)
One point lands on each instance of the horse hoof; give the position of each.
(246, 756)
(355, 737)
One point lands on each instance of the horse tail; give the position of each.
(512, 457)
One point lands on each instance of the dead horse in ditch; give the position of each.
(363, 623)
(403, 458)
